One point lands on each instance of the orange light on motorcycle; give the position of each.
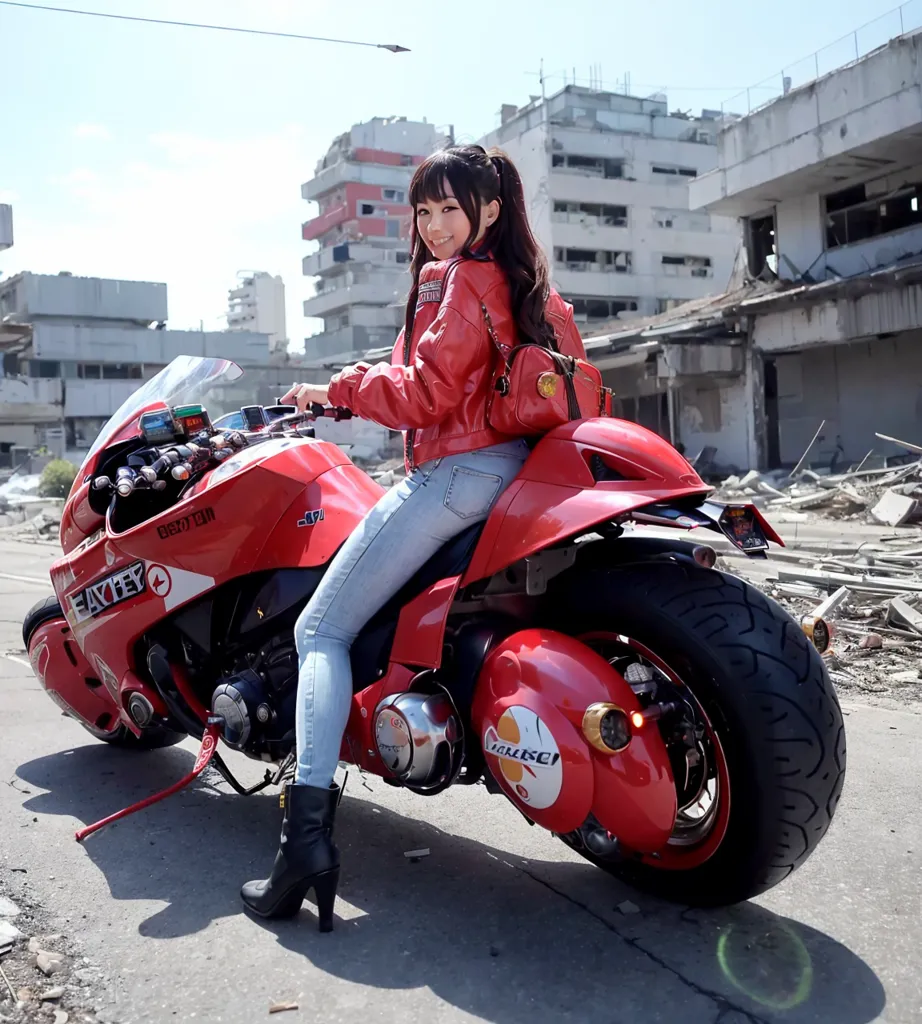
(637, 719)
(606, 727)
(705, 556)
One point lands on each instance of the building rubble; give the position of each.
(867, 585)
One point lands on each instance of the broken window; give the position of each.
(45, 368)
(592, 259)
(674, 170)
(587, 308)
(682, 220)
(598, 166)
(852, 215)
(687, 266)
(602, 214)
(394, 195)
(760, 242)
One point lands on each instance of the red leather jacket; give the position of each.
(436, 388)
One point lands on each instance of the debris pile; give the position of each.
(387, 473)
(45, 525)
(889, 496)
(869, 594)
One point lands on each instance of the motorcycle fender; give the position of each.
(528, 709)
(79, 689)
(531, 516)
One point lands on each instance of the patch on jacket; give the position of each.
(429, 291)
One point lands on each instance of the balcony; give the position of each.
(595, 282)
(336, 256)
(371, 293)
(349, 343)
(6, 226)
(97, 398)
(313, 229)
(346, 171)
(31, 400)
(861, 120)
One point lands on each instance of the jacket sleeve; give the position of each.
(424, 393)
(344, 383)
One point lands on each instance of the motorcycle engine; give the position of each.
(255, 700)
(420, 739)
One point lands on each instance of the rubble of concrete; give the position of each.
(387, 473)
(888, 495)
(869, 592)
(27, 524)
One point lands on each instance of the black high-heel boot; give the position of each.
(306, 859)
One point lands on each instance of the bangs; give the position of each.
(429, 182)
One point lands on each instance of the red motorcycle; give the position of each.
(664, 719)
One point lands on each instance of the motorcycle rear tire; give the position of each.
(153, 738)
(769, 698)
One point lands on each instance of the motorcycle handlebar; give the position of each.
(319, 412)
(181, 461)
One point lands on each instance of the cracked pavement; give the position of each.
(501, 923)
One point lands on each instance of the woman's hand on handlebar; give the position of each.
(305, 395)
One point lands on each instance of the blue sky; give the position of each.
(162, 153)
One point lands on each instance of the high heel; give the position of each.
(306, 859)
(325, 886)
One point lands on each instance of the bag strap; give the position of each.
(491, 333)
(566, 365)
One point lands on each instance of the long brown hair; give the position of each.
(478, 177)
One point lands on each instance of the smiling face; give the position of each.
(444, 227)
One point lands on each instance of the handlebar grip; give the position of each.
(336, 412)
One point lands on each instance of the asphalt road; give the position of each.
(501, 923)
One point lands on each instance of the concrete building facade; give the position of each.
(74, 348)
(828, 184)
(257, 304)
(6, 226)
(606, 181)
(822, 328)
(362, 229)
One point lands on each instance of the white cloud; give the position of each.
(188, 210)
(87, 130)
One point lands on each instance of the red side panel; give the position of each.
(344, 494)
(531, 696)
(421, 626)
(69, 680)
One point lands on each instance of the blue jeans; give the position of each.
(398, 536)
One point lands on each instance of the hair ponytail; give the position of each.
(477, 177)
(515, 248)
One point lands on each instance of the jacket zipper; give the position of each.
(408, 437)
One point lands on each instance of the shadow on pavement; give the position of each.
(491, 933)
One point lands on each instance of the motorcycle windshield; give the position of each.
(184, 381)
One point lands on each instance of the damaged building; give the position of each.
(74, 348)
(821, 327)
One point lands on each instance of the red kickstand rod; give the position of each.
(205, 754)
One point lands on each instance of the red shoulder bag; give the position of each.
(539, 388)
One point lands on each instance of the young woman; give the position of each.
(471, 247)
